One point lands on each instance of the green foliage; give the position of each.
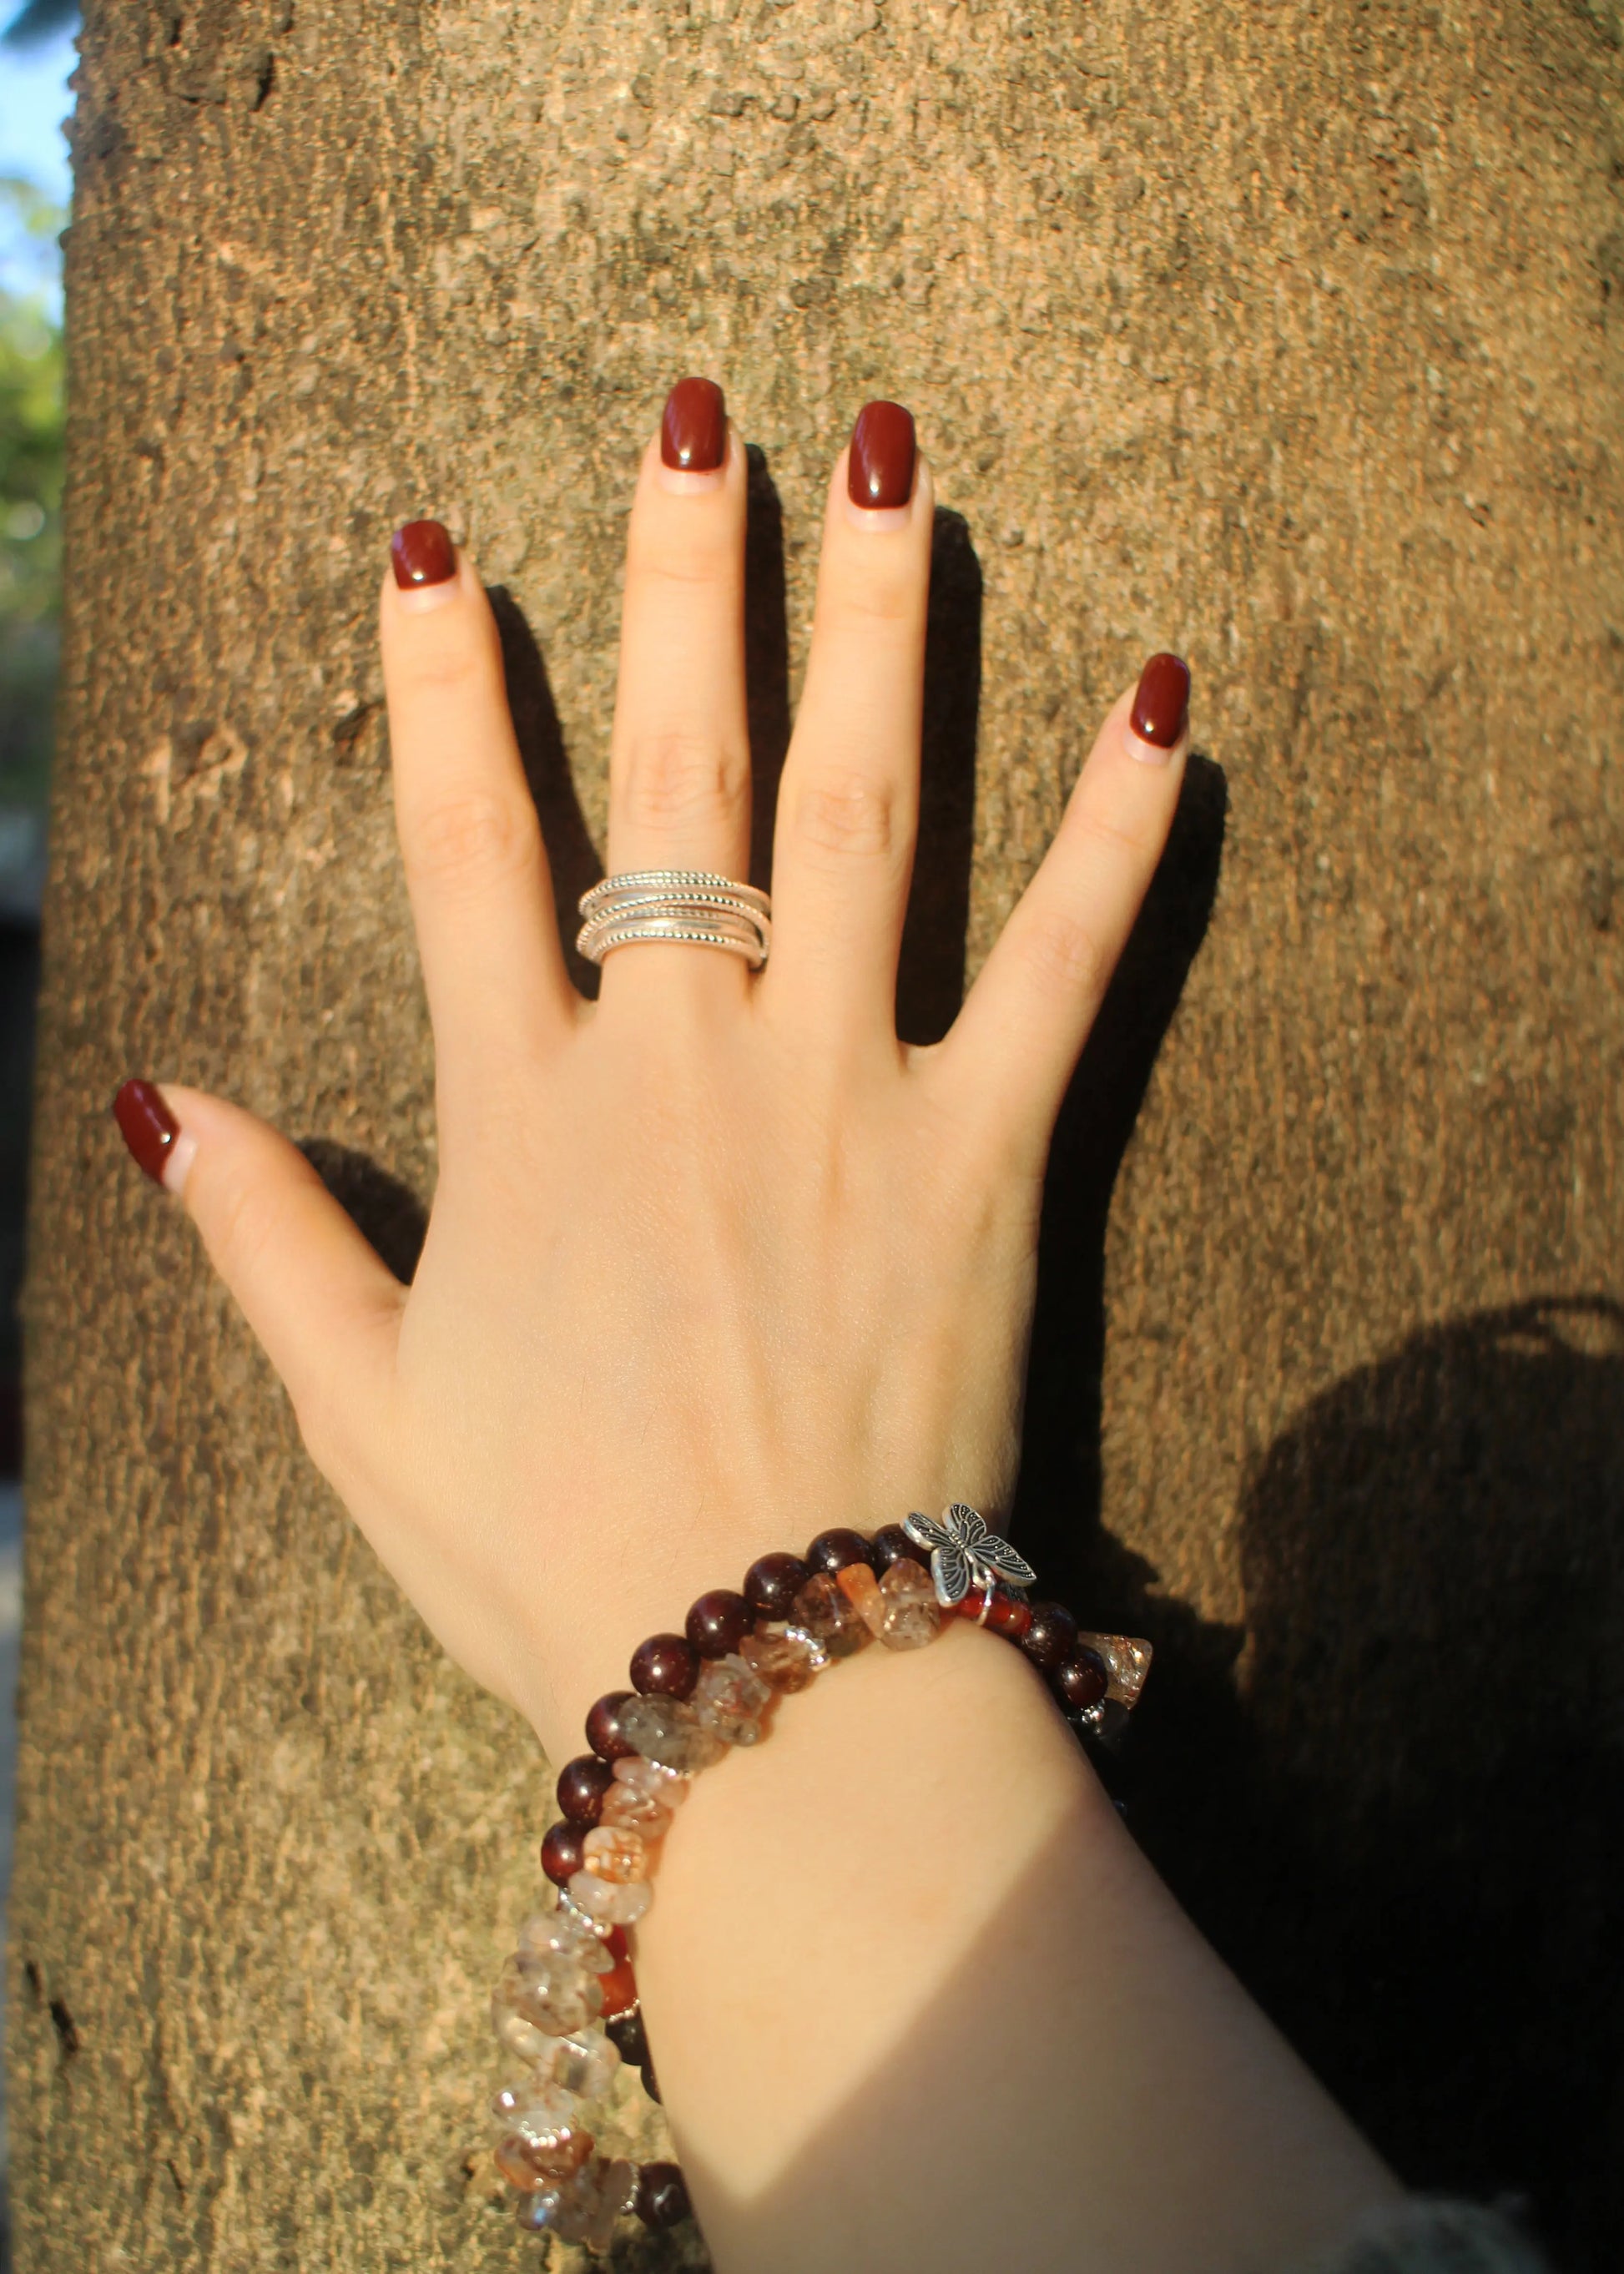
(31, 453)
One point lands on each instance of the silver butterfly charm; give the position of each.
(964, 1553)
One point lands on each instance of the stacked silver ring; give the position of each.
(683, 904)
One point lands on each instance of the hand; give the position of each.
(715, 1262)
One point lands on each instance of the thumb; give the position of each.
(324, 1305)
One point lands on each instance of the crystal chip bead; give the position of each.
(615, 1852)
(561, 1934)
(551, 1991)
(609, 1902)
(525, 2166)
(537, 2213)
(631, 1811)
(665, 1786)
(783, 1659)
(521, 2038)
(860, 1588)
(665, 1730)
(833, 1623)
(586, 2064)
(1127, 1662)
(730, 1698)
(643, 1796)
(911, 1617)
(589, 2204)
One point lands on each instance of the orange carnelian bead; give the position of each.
(1007, 1614)
(620, 1989)
(861, 1590)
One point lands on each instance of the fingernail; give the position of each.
(152, 1132)
(694, 430)
(422, 553)
(880, 468)
(1161, 707)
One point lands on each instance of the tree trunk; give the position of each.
(1284, 335)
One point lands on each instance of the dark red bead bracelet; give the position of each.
(566, 2004)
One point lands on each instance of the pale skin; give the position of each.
(713, 1263)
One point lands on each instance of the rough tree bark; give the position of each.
(1282, 331)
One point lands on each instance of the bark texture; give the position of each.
(1286, 334)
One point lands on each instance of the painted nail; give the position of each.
(1161, 707)
(880, 468)
(422, 553)
(147, 1125)
(694, 430)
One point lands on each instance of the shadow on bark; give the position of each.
(931, 972)
(1057, 1501)
(572, 857)
(1405, 1828)
(389, 1212)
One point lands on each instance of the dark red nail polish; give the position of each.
(423, 553)
(147, 1125)
(880, 470)
(694, 430)
(1161, 707)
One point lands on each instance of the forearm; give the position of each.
(917, 1999)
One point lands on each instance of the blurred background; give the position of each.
(36, 57)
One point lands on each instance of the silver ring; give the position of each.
(692, 906)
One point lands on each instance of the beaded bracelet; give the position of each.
(566, 2004)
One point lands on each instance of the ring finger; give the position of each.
(680, 756)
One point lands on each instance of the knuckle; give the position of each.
(475, 837)
(1061, 950)
(245, 1232)
(695, 563)
(1093, 824)
(677, 776)
(888, 597)
(848, 813)
(448, 660)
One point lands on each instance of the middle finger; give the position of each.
(680, 753)
(848, 803)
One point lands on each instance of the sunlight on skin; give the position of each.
(858, 1975)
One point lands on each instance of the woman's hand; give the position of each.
(715, 1262)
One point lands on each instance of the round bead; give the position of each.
(1051, 1637)
(772, 1583)
(719, 1623)
(561, 1852)
(625, 2031)
(891, 1545)
(650, 2082)
(602, 1731)
(664, 1667)
(582, 1785)
(972, 1603)
(662, 2195)
(832, 1551)
(1083, 1680)
(1008, 1614)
